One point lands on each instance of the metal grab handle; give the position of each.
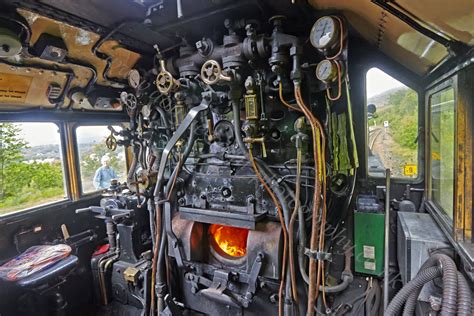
(183, 127)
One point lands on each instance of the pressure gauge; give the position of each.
(326, 71)
(325, 33)
(134, 78)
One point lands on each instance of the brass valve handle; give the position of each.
(165, 83)
(111, 142)
(211, 73)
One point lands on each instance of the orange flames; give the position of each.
(231, 240)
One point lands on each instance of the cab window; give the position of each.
(31, 168)
(99, 164)
(442, 150)
(392, 118)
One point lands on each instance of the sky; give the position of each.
(378, 82)
(37, 134)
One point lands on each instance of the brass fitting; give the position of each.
(257, 140)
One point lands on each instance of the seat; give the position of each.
(39, 265)
(48, 275)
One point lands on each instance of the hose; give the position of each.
(425, 275)
(346, 276)
(464, 297)
(410, 304)
(450, 281)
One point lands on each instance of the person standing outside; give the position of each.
(104, 174)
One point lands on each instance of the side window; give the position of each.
(442, 142)
(392, 110)
(98, 164)
(31, 170)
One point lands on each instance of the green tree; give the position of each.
(11, 146)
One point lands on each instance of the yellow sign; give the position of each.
(410, 170)
(14, 88)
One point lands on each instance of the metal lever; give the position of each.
(182, 128)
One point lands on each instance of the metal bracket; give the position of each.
(252, 288)
(174, 240)
(318, 255)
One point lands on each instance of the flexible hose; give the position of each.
(450, 281)
(425, 275)
(410, 304)
(464, 297)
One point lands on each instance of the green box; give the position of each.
(369, 243)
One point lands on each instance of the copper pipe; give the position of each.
(292, 225)
(320, 269)
(155, 257)
(318, 159)
(282, 99)
(283, 227)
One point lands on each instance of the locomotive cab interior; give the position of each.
(219, 157)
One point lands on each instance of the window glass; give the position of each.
(99, 164)
(31, 171)
(442, 142)
(392, 110)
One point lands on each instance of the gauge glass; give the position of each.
(134, 78)
(323, 32)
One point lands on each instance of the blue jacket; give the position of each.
(102, 177)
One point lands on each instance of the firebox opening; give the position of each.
(227, 240)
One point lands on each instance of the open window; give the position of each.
(99, 164)
(392, 126)
(31, 166)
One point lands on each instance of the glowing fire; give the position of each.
(231, 240)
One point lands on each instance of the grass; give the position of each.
(27, 198)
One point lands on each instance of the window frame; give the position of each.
(75, 126)
(421, 165)
(65, 168)
(437, 210)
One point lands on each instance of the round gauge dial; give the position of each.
(134, 78)
(324, 32)
(326, 71)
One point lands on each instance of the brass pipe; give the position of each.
(282, 99)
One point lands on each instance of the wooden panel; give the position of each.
(454, 18)
(388, 33)
(21, 86)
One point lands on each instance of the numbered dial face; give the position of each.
(324, 32)
(326, 71)
(134, 78)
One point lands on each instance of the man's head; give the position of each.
(105, 161)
